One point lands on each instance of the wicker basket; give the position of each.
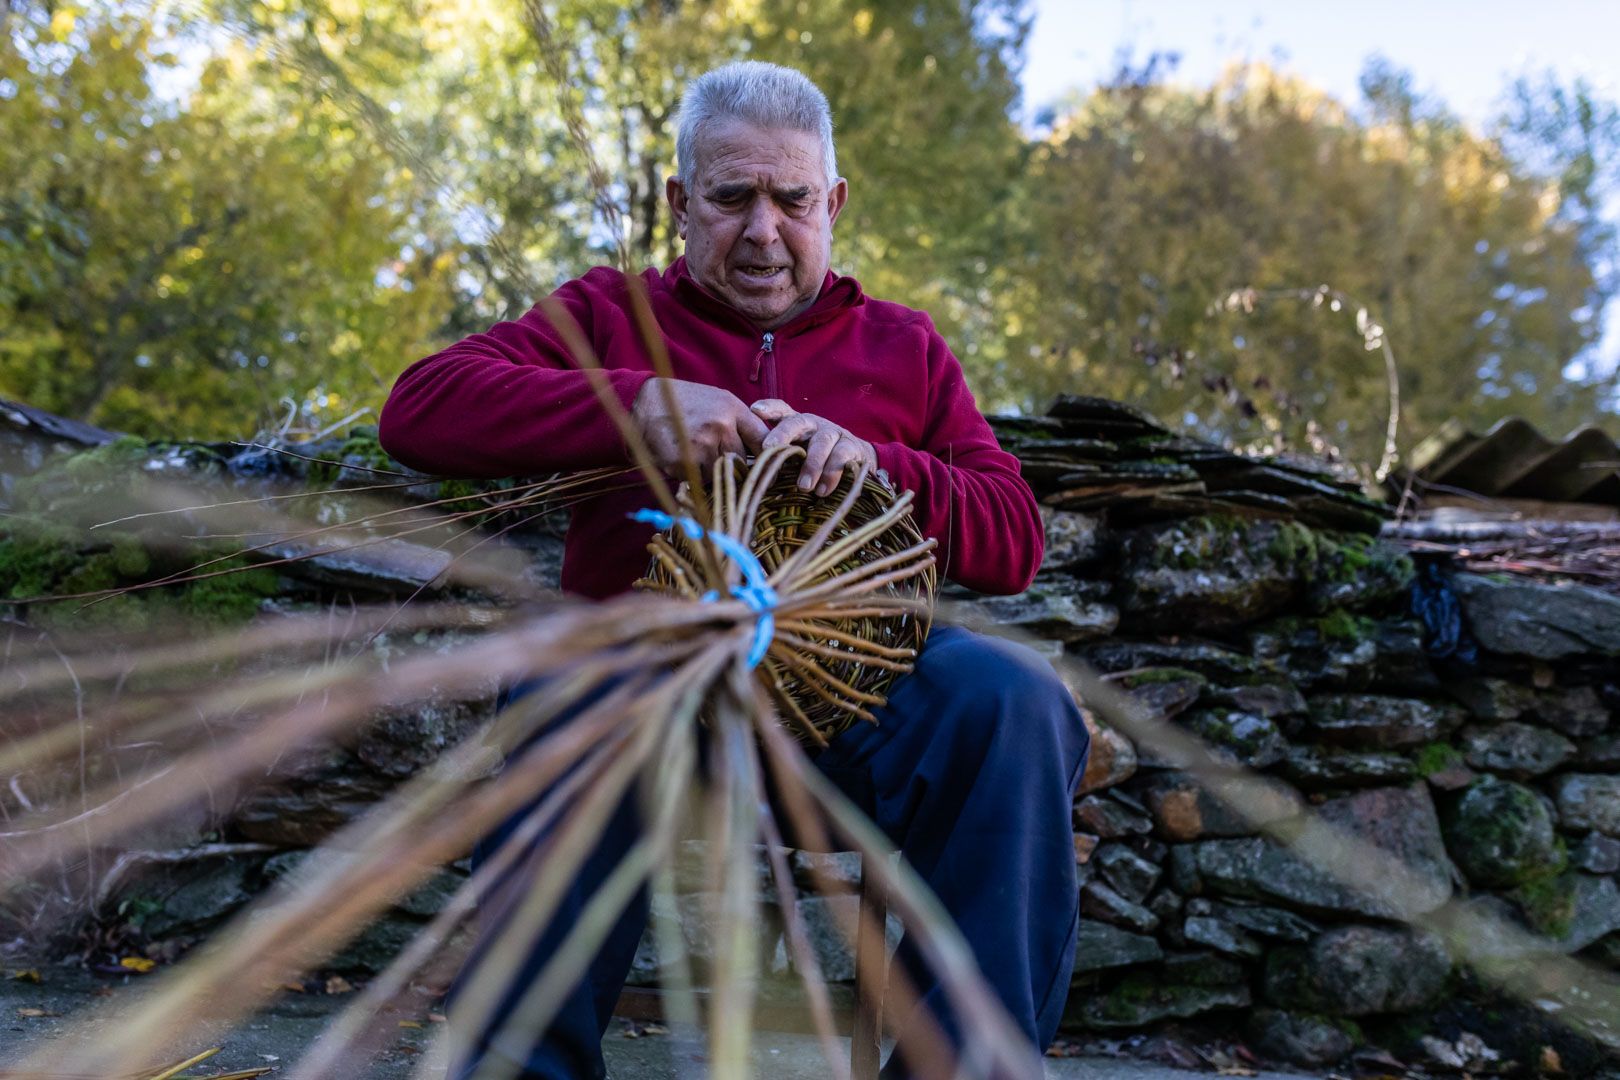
(785, 519)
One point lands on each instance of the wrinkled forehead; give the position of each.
(735, 151)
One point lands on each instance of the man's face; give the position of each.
(758, 219)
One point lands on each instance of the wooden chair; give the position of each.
(863, 1024)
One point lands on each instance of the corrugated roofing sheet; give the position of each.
(1515, 461)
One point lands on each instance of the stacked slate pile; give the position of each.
(71, 493)
(1090, 453)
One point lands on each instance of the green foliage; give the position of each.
(181, 268)
(347, 187)
(1149, 204)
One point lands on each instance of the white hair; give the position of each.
(765, 95)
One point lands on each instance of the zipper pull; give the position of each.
(765, 346)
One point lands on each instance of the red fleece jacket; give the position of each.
(510, 403)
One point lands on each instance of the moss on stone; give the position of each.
(1340, 625)
(107, 482)
(94, 573)
(360, 447)
(34, 556)
(229, 598)
(1146, 676)
(1293, 543)
(1215, 726)
(1349, 1027)
(1436, 757)
(468, 496)
(41, 558)
(1338, 570)
(1501, 834)
(70, 480)
(1124, 1002)
(1548, 903)
(1356, 551)
(1355, 570)
(122, 452)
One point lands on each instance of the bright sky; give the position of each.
(1462, 52)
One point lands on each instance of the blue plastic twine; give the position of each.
(755, 591)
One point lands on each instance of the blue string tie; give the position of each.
(755, 591)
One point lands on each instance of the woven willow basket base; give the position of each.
(787, 518)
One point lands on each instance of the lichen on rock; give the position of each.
(1501, 834)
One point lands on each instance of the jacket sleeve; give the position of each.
(508, 402)
(968, 491)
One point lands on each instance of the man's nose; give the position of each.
(762, 223)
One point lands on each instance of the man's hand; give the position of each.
(829, 449)
(717, 422)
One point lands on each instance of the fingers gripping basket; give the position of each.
(853, 581)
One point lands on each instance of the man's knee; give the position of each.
(1008, 694)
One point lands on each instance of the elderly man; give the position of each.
(973, 766)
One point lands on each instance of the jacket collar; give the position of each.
(838, 294)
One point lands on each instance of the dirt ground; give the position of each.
(33, 1015)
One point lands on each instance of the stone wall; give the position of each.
(1463, 724)
(1489, 772)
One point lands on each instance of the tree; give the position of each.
(1570, 138)
(922, 95)
(1149, 204)
(182, 268)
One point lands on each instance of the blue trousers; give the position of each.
(971, 770)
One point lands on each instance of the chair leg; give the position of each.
(871, 981)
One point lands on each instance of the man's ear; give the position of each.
(675, 195)
(836, 199)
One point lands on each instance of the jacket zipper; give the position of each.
(766, 358)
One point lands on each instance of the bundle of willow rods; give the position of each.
(622, 686)
(830, 665)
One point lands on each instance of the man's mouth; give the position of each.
(761, 273)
